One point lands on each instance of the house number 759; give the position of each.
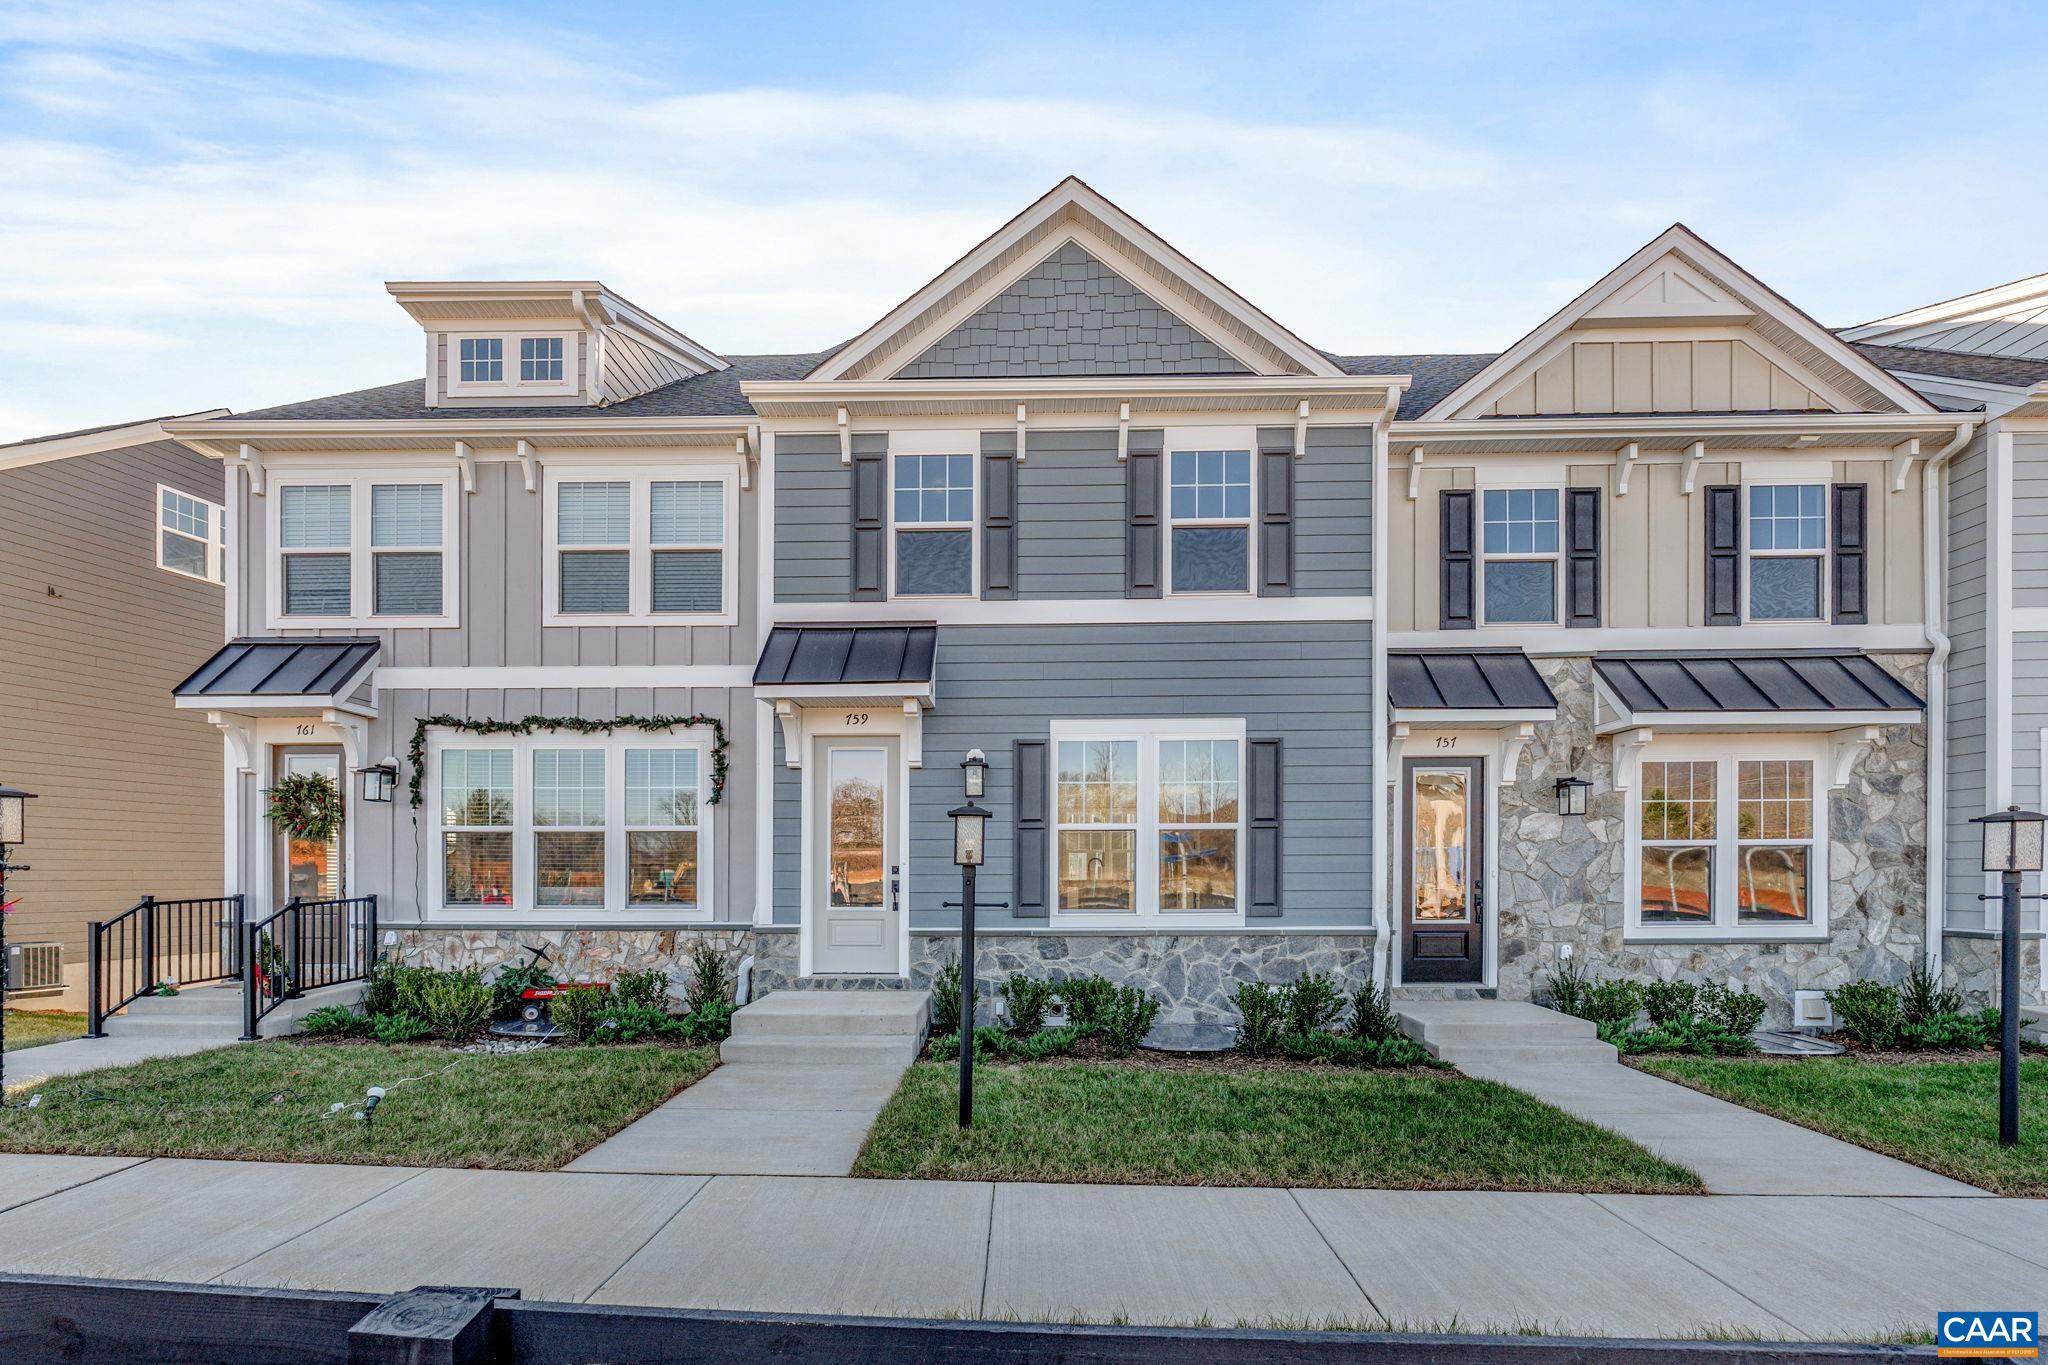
(856, 718)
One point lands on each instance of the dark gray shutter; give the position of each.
(869, 567)
(1142, 511)
(1582, 556)
(1032, 809)
(1276, 512)
(999, 515)
(1455, 589)
(1263, 794)
(1848, 555)
(1724, 555)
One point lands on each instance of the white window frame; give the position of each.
(617, 907)
(1195, 442)
(1729, 752)
(1554, 558)
(216, 542)
(1148, 735)
(640, 546)
(966, 443)
(362, 569)
(569, 385)
(1782, 479)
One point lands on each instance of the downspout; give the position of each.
(1382, 919)
(1934, 611)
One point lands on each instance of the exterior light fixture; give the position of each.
(975, 769)
(2012, 845)
(380, 782)
(2012, 840)
(969, 823)
(14, 816)
(1571, 795)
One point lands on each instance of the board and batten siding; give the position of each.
(1308, 685)
(1657, 376)
(503, 539)
(96, 637)
(1966, 754)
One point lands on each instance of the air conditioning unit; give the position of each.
(35, 966)
(1810, 1009)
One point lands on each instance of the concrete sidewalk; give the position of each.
(1606, 1265)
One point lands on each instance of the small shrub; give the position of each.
(1735, 1011)
(710, 982)
(579, 1010)
(1949, 1032)
(1691, 1034)
(1125, 1020)
(1869, 1011)
(1991, 1022)
(1348, 1051)
(507, 985)
(1567, 985)
(337, 1021)
(1668, 1002)
(1025, 1001)
(380, 988)
(1923, 998)
(630, 1021)
(409, 988)
(1262, 1018)
(456, 1005)
(1088, 999)
(1313, 1004)
(1372, 1014)
(400, 1028)
(648, 990)
(946, 1000)
(711, 1023)
(1618, 1001)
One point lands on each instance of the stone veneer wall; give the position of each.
(1971, 966)
(1559, 879)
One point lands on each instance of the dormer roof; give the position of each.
(452, 305)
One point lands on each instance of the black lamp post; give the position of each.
(1571, 795)
(970, 824)
(13, 833)
(2012, 845)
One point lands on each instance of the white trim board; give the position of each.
(564, 675)
(1236, 608)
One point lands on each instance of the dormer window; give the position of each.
(540, 360)
(516, 363)
(483, 360)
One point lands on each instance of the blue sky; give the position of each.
(202, 199)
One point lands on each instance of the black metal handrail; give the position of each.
(304, 946)
(189, 941)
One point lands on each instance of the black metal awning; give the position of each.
(1466, 680)
(1800, 682)
(280, 671)
(838, 656)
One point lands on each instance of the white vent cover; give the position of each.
(1810, 1009)
(35, 966)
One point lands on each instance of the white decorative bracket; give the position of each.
(1301, 429)
(1023, 416)
(240, 743)
(251, 459)
(1903, 455)
(1511, 751)
(1694, 453)
(1123, 432)
(913, 732)
(355, 736)
(466, 458)
(1802, 442)
(845, 439)
(1397, 740)
(1625, 465)
(1628, 748)
(791, 718)
(1845, 749)
(1415, 458)
(739, 448)
(529, 465)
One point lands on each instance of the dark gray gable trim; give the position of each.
(868, 557)
(1722, 508)
(998, 515)
(1144, 519)
(1456, 590)
(1276, 512)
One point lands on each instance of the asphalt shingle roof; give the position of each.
(1985, 369)
(1435, 375)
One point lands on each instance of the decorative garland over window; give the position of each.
(577, 724)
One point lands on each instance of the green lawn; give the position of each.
(26, 1028)
(1941, 1115)
(269, 1101)
(1310, 1127)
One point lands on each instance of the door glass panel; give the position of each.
(313, 867)
(855, 839)
(1441, 875)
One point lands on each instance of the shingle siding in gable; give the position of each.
(1072, 314)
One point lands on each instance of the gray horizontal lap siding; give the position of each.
(813, 504)
(1306, 684)
(2030, 520)
(1966, 753)
(1333, 513)
(1070, 516)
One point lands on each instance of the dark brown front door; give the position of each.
(1444, 882)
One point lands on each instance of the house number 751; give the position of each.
(856, 718)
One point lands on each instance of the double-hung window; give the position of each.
(1730, 839)
(514, 362)
(191, 535)
(551, 825)
(1209, 505)
(629, 546)
(1148, 819)
(363, 549)
(934, 531)
(1788, 539)
(1518, 551)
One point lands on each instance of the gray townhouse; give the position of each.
(1619, 645)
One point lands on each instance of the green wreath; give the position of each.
(575, 724)
(306, 806)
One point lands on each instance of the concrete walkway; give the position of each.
(32, 1064)
(1734, 1150)
(1609, 1265)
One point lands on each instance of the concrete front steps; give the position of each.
(2034, 1023)
(830, 1028)
(197, 1012)
(1500, 1032)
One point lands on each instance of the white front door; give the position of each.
(856, 879)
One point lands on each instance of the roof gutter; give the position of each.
(1934, 610)
(1380, 892)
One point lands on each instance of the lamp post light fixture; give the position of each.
(379, 783)
(13, 834)
(970, 828)
(2012, 845)
(1571, 795)
(974, 769)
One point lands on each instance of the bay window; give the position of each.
(1729, 839)
(555, 823)
(628, 547)
(363, 548)
(1148, 819)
